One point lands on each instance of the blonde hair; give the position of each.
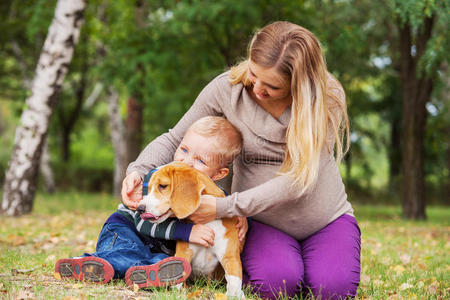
(228, 139)
(318, 112)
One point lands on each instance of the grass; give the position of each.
(400, 259)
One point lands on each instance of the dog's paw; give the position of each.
(177, 286)
(234, 287)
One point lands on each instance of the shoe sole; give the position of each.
(89, 268)
(169, 271)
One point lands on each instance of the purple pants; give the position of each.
(326, 263)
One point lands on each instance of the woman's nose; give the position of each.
(257, 87)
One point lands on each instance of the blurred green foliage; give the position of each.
(166, 57)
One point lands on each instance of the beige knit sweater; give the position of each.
(256, 189)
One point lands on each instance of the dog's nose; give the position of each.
(141, 209)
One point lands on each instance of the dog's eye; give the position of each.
(162, 186)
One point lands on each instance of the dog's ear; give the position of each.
(185, 198)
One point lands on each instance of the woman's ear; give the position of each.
(221, 173)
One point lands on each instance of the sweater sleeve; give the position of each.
(257, 199)
(161, 150)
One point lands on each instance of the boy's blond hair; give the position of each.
(228, 139)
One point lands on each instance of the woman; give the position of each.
(292, 114)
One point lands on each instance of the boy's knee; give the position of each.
(273, 282)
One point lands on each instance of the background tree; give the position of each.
(21, 176)
(160, 54)
(421, 25)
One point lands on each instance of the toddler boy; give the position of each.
(127, 242)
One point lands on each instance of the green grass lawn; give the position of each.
(400, 259)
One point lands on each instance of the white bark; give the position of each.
(118, 140)
(21, 176)
(45, 167)
(90, 101)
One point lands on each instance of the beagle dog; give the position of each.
(175, 190)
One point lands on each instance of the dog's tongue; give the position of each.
(149, 216)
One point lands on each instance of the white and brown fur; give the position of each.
(175, 189)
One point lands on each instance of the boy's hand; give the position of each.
(242, 225)
(202, 235)
(132, 190)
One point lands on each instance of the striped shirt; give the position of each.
(170, 229)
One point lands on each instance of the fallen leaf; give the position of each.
(195, 294)
(57, 275)
(378, 283)
(399, 269)
(386, 261)
(50, 258)
(135, 288)
(220, 296)
(365, 278)
(405, 286)
(433, 288)
(54, 240)
(27, 271)
(422, 266)
(405, 258)
(24, 295)
(16, 240)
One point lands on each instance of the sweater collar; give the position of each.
(257, 119)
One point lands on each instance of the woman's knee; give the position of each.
(272, 267)
(333, 287)
(275, 279)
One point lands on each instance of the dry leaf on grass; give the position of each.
(405, 258)
(16, 272)
(405, 286)
(57, 275)
(16, 240)
(220, 296)
(77, 285)
(24, 295)
(195, 294)
(399, 269)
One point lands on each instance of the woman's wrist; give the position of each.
(223, 207)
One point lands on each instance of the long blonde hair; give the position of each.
(318, 111)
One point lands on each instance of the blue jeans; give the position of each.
(122, 248)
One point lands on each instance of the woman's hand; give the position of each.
(132, 190)
(206, 212)
(242, 226)
(202, 235)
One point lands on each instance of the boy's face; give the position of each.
(199, 152)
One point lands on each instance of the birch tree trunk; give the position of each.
(21, 175)
(118, 140)
(46, 169)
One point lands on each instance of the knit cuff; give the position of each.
(182, 231)
(223, 207)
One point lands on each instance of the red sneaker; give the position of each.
(169, 271)
(88, 268)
